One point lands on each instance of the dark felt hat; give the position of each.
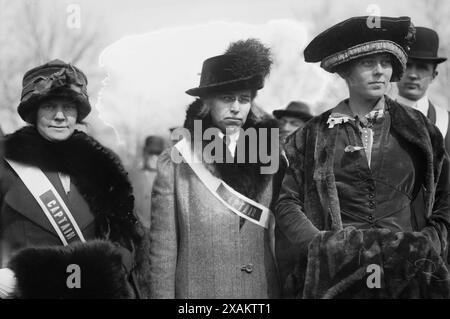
(426, 46)
(361, 36)
(154, 145)
(295, 109)
(53, 79)
(219, 74)
(244, 66)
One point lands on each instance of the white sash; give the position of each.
(50, 201)
(236, 202)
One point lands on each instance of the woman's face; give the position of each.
(56, 119)
(369, 77)
(229, 110)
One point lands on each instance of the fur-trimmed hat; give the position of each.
(53, 79)
(361, 36)
(244, 65)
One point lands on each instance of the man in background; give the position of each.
(420, 73)
(143, 178)
(293, 117)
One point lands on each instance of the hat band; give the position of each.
(364, 49)
(423, 54)
(43, 85)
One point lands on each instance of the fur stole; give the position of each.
(95, 170)
(245, 178)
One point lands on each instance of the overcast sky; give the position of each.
(125, 17)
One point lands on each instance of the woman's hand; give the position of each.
(7, 283)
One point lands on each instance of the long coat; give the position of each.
(309, 203)
(101, 201)
(198, 247)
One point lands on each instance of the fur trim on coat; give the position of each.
(95, 170)
(311, 164)
(245, 178)
(316, 207)
(101, 180)
(371, 264)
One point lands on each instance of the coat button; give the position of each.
(371, 205)
(371, 196)
(370, 217)
(247, 268)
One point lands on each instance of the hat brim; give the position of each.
(331, 62)
(428, 59)
(28, 107)
(254, 82)
(303, 116)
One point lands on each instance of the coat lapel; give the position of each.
(324, 176)
(412, 129)
(22, 201)
(431, 114)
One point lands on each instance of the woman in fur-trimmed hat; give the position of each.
(209, 236)
(365, 200)
(64, 199)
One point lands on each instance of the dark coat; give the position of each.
(309, 202)
(104, 213)
(198, 247)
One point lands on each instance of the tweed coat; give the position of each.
(308, 201)
(100, 200)
(198, 247)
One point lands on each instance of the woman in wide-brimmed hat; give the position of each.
(64, 199)
(365, 201)
(207, 241)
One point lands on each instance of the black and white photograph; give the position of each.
(225, 155)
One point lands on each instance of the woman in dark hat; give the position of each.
(366, 197)
(209, 234)
(66, 204)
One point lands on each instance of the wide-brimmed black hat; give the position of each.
(53, 79)
(244, 66)
(295, 109)
(426, 46)
(361, 36)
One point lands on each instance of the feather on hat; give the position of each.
(244, 65)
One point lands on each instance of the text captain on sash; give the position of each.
(64, 198)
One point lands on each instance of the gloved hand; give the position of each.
(7, 283)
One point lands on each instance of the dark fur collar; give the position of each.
(319, 148)
(94, 169)
(246, 178)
